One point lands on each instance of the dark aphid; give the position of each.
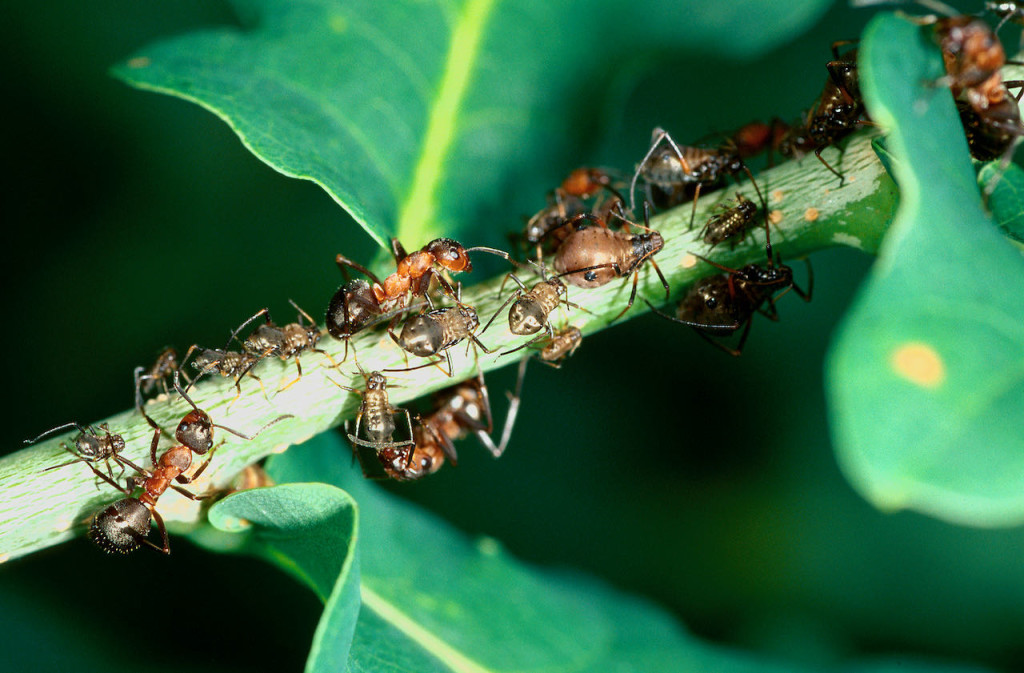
(234, 364)
(161, 371)
(90, 446)
(730, 223)
(593, 256)
(284, 341)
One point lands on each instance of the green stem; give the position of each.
(39, 509)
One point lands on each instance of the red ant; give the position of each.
(415, 271)
(123, 526)
(593, 256)
(568, 201)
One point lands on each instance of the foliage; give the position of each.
(426, 590)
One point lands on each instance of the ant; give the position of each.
(90, 446)
(670, 166)
(415, 271)
(730, 222)
(566, 202)
(285, 341)
(593, 256)
(123, 526)
(354, 306)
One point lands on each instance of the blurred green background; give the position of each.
(139, 221)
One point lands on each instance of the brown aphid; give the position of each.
(593, 256)
(730, 223)
(158, 374)
(553, 349)
(284, 341)
(91, 445)
(226, 363)
(434, 332)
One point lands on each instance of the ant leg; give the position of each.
(166, 548)
(343, 262)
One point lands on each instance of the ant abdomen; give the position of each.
(120, 527)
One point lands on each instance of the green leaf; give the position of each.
(310, 530)
(434, 600)
(1007, 199)
(419, 117)
(926, 374)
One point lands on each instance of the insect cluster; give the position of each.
(590, 233)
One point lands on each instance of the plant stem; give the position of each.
(39, 509)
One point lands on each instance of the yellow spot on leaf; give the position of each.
(776, 196)
(338, 23)
(775, 216)
(811, 214)
(688, 261)
(139, 62)
(919, 363)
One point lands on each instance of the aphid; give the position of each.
(593, 256)
(90, 446)
(415, 271)
(675, 169)
(236, 364)
(436, 331)
(731, 222)
(835, 114)
(529, 314)
(375, 423)
(285, 341)
(164, 367)
(720, 305)
(553, 349)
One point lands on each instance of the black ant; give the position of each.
(90, 446)
(285, 341)
(593, 256)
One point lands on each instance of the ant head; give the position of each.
(585, 182)
(195, 431)
(121, 527)
(450, 255)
